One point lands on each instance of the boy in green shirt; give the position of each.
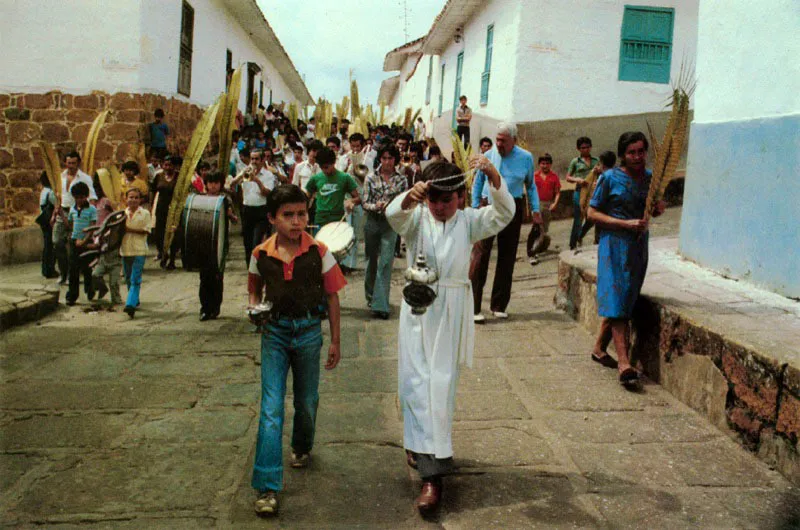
(329, 188)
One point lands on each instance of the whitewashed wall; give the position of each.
(75, 46)
(127, 46)
(568, 58)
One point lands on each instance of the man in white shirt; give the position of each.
(256, 184)
(69, 177)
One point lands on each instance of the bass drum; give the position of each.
(338, 237)
(205, 232)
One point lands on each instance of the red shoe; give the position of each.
(428, 501)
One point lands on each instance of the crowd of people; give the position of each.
(285, 186)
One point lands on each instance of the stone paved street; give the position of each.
(151, 423)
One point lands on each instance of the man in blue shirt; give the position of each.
(158, 133)
(516, 167)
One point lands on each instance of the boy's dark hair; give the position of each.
(98, 188)
(73, 154)
(407, 137)
(357, 137)
(175, 160)
(545, 158)
(335, 140)
(608, 158)
(628, 138)
(235, 135)
(297, 147)
(79, 189)
(43, 180)
(203, 165)
(434, 151)
(131, 165)
(440, 171)
(244, 152)
(583, 140)
(159, 113)
(214, 176)
(133, 190)
(486, 139)
(315, 145)
(388, 148)
(326, 156)
(285, 194)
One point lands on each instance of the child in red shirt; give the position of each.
(548, 186)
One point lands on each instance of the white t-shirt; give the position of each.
(67, 201)
(251, 194)
(303, 173)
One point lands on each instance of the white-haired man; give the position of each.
(516, 167)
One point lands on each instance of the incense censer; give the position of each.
(418, 292)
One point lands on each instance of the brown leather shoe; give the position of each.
(428, 501)
(411, 459)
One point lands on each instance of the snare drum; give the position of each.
(205, 234)
(338, 237)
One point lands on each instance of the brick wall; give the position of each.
(64, 120)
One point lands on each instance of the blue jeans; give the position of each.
(287, 344)
(379, 240)
(575, 235)
(133, 265)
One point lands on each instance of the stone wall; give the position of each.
(63, 120)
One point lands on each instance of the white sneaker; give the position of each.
(267, 503)
(500, 314)
(479, 318)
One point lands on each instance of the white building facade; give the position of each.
(560, 70)
(742, 204)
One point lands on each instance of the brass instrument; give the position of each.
(359, 169)
(406, 160)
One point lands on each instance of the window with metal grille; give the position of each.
(430, 81)
(487, 66)
(645, 53)
(185, 60)
(441, 91)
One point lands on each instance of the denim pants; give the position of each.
(576, 220)
(295, 344)
(134, 265)
(379, 240)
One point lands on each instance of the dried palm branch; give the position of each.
(200, 138)
(669, 149)
(461, 155)
(91, 142)
(141, 159)
(293, 115)
(109, 186)
(226, 120)
(382, 116)
(354, 103)
(52, 167)
(407, 119)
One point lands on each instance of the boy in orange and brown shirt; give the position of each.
(548, 187)
(301, 279)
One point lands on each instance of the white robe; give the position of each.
(432, 345)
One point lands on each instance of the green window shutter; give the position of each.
(487, 67)
(646, 44)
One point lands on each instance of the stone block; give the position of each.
(781, 454)
(54, 132)
(483, 406)
(215, 426)
(125, 101)
(87, 430)
(17, 114)
(376, 419)
(724, 465)
(789, 416)
(126, 151)
(82, 115)
(48, 115)
(85, 102)
(24, 132)
(5, 100)
(748, 426)
(504, 444)
(3, 179)
(22, 158)
(696, 380)
(361, 375)
(80, 132)
(754, 383)
(123, 132)
(131, 116)
(66, 101)
(37, 101)
(24, 179)
(3, 136)
(25, 201)
(103, 151)
(6, 159)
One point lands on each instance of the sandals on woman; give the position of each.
(604, 360)
(629, 378)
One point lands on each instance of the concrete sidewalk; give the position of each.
(150, 423)
(25, 295)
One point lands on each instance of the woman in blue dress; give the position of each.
(617, 208)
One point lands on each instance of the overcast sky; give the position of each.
(326, 38)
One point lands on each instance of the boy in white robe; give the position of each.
(432, 345)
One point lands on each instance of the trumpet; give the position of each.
(406, 160)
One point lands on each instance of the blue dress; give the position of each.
(622, 254)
